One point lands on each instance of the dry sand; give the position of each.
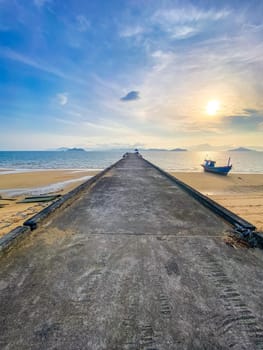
(240, 193)
(13, 214)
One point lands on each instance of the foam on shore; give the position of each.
(13, 192)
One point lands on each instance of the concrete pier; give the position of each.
(134, 263)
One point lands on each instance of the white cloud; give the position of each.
(183, 32)
(36, 63)
(176, 80)
(162, 59)
(189, 14)
(131, 31)
(177, 85)
(62, 98)
(184, 22)
(16, 56)
(83, 24)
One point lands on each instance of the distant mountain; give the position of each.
(206, 147)
(178, 150)
(241, 149)
(154, 149)
(75, 149)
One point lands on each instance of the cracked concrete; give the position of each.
(133, 263)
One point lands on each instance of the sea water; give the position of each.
(57, 160)
(243, 162)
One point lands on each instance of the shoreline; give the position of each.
(6, 171)
(16, 186)
(39, 178)
(241, 193)
(41, 190)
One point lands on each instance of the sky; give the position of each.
(134, 73)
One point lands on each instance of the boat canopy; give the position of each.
(209, 162)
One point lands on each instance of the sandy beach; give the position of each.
(13, 214)
(241, 193)
(31, 179)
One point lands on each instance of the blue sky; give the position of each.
(101, 74)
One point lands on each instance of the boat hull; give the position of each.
(220, 170)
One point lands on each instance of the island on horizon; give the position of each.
(179, 150)
(241, 149)
(75, 149)
(67, 149)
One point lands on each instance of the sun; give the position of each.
(212, 107)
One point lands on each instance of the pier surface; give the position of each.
(134, 263)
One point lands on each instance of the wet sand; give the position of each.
(13, 214)
(240, 193)
(40, 178)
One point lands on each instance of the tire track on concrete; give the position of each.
(164, 306)
(129, 323)
(139, 296)
(239, 316)
(138, 325)
(154, 332)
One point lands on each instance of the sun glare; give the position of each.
(212, 107)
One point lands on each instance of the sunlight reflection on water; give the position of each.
(243, 162)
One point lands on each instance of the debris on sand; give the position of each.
(234, 241)
(42, 198)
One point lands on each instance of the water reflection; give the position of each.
(243, 162)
